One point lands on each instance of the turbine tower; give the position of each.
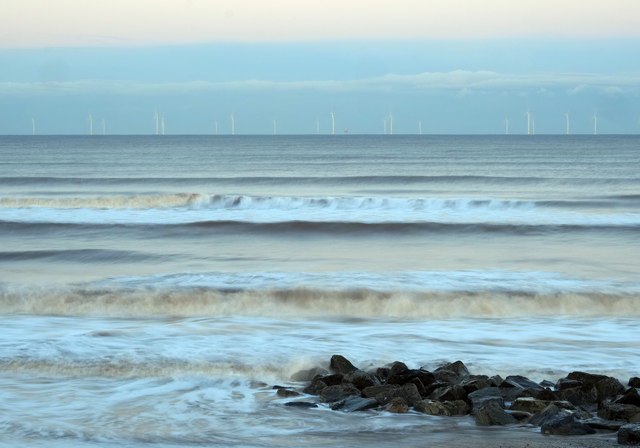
(419, 127)
(275, 127)
(568, 130)
(595, 123)
(506, 126)
(390, 124)
(528, 122)
(233, 124)
(33, 126)
(90, 124)
(333, 123)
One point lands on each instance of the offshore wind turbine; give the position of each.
(333, 123)
(390, 124)
(595, 123)
(233, 124)
(419, 127)
(568, 130)
(33, 126)
(506, 126)
(528, 122)
(90, 124)
(215, 125)
(275, 127)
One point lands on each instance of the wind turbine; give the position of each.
(595, 123)
(419, 127)
(333, 123)
(506, 126)
(215, 125)
(33, 126)
(390, 124)
(528, 122)
(275, 127)
(233, 124)
(90, 124)
(566, 116)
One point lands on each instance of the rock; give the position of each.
(582, 395)
(382, 373)
(340, 364)
(483, 396)
(301, 404)
(398, 406)
(449, 393)
(408, 392)
(606, 386)
(447, 408)
(529, 404)
(491, 414)
(630, 397)
(338, 392)
(545, 415)
(475, 382)
(360, 379)
(397, 368)
(315, 387)
(564, 423)
(287, 393)
(331, 380)
(617, 411)
(451, 372)
(522, 382)
(606, 425)
(634, 381)
(355, 404)
(426, 378)
(629, 434)
(565, 383)
(373, 391)
(547, 384)
(309, 374)
(519, 415)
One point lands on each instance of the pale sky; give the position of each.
(455, 66)
(37, 23)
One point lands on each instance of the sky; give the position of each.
(440, 66)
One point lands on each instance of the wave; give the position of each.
(417, 295)
(77, 255)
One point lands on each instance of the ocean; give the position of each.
(150, 286)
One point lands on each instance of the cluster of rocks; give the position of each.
(581, 403)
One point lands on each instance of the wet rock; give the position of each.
(447, 408)
(522, 382)
(338, 392)
(630, 397)
(360, 379)
(606, 386)
(315, 387)
(618, 411)
(408, 392)
(582, 395)
(452, 372)
(309, 374)
(565, 383)
(491, 414)
(301, 404)
(340, 364)
(529, 404)
(373, 391)
(547, 384)
(355, 404)
(545, 415)
(257, 384)
(564, 423)
(398, 405)
(606, 425)
(397, 368)
(484, 396)
(634, 381)
(519, 415)
(449, 393)
(476, 382)
(629, 434)
(331, 380)
(287, 393)
(426, 378)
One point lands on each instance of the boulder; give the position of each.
(565, 383)
(606, 425)
(309, 374)
(634, 381)
(373, 391)
(408, 392)
(618, 411)
(580, 396)
(522, 382)
(315, 387)
(331, 380)
(340, 364)
(360, 379)
(476, 382)
(529, 404)
(547, 384)
(426, 378)
(338, 392)
(545, 415)
(398, 405)
(630, 397)
(301, 404)
(287, 393)
(629, 434)
(491, 414)
(355, 404)
(519, 415)
(397, 368)
(452, 372)
(606, 386)
(483, 396)
(449, 393)
(447, 408)
(564, 423)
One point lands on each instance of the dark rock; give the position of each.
(547, 384)
(446, 376)
(496, 380)
(335, 393)
(276, 387)
(331, 380)
(484, 396)
(491, 414)
(397, 368)
(257, 384)
(521, 381)
(545, 415)
(355, 404)
(606, 425)
(476, 382)
(340, 364)
(382, 373)
(583, 395)
(408, 392)
(586, 378)
(309, 374)
(301, 404)
(564, 423)
(433, 386)
(287, 393)
(447, 408)
(606, 386)
(629, 434)
(451, 372)
(407, 376)
(315, 387)
(529, 404)
(564, 383)
(373, 391)
(360, 379)
(398, 406)
(449, 393)
(634, 381)
(630, 397)
(519, 415)
(617, 411)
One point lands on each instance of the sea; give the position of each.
(153, 289)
